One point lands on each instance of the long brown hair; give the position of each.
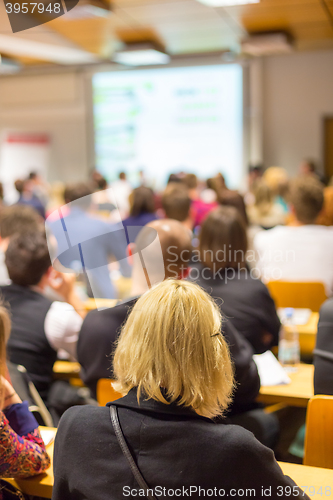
(4, 335)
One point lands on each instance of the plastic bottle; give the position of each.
(289, 350)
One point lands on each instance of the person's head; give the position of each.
(176, 202)
(27, 258)
(263, 196)
(80, 193)
(308, 167)
(164, 246)
(142, 201)
(122, 176)
(19, 186)
(4, 336)
(276, 178)
(223, 239)
(171, 348)
(17, 219)
(307, 199)
(191, 181)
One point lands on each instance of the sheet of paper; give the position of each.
(48, 435)
(270, 370)
(300, 316)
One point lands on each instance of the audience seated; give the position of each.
(200, 206)
(121, 189)
(173, 367)
(22, 451)
(223, 273)
(265, 212)
(27, 197)
(15, 220)
(277, 179)
(226, 196)
(323, 353)
(100, 329)
(39, 327)
(176, 204)
(303, 251)
(95, 242)
(142, 211)
(101, 196)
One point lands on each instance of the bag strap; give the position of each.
(124, 448)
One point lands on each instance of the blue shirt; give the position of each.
(85, 243)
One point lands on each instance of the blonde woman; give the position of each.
(265, 212)
(22, 451)
(173, 367)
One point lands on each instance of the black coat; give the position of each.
(323, 353)
(245, 301)
(174, 448)
(100, 330)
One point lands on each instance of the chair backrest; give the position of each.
(28, 392)
(318, 449)
(105, 392)
(298, 294)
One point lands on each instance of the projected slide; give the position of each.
(166, 120)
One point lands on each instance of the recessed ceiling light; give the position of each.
(227, 3)
(141, 57)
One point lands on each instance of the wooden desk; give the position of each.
(310, 476)
(91, 304)
(303, 476)
(66, 369)
(297, 393)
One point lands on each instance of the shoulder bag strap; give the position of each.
(124, 448)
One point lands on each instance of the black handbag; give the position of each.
(124, 448)
(9, 492)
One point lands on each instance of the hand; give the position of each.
(9, 395)
(62, 283)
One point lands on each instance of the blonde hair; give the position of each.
(5, 326)
(263, 197)
(171, 348)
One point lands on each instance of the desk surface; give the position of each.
(297, 393)
(91, 304)
(306, 477)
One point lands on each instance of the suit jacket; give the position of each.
(323, 353)
(245, 301)
(100, 331)
(173, 447)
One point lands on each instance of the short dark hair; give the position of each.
(176, 202)
(307, 198)
(77, 192)
(18, 219)
(27, 258)
(224, 231)
(142, 201)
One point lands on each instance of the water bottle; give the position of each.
(289, 351)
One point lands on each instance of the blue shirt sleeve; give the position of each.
(20, 418)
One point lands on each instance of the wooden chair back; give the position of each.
(105, 392)
(318, 448)
(298, 294)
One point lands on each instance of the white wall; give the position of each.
(54, 104)
(297, 94)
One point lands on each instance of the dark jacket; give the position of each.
(100, 330)
(323, 353)
(174, 448)
(245, 301)
(27, 344)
